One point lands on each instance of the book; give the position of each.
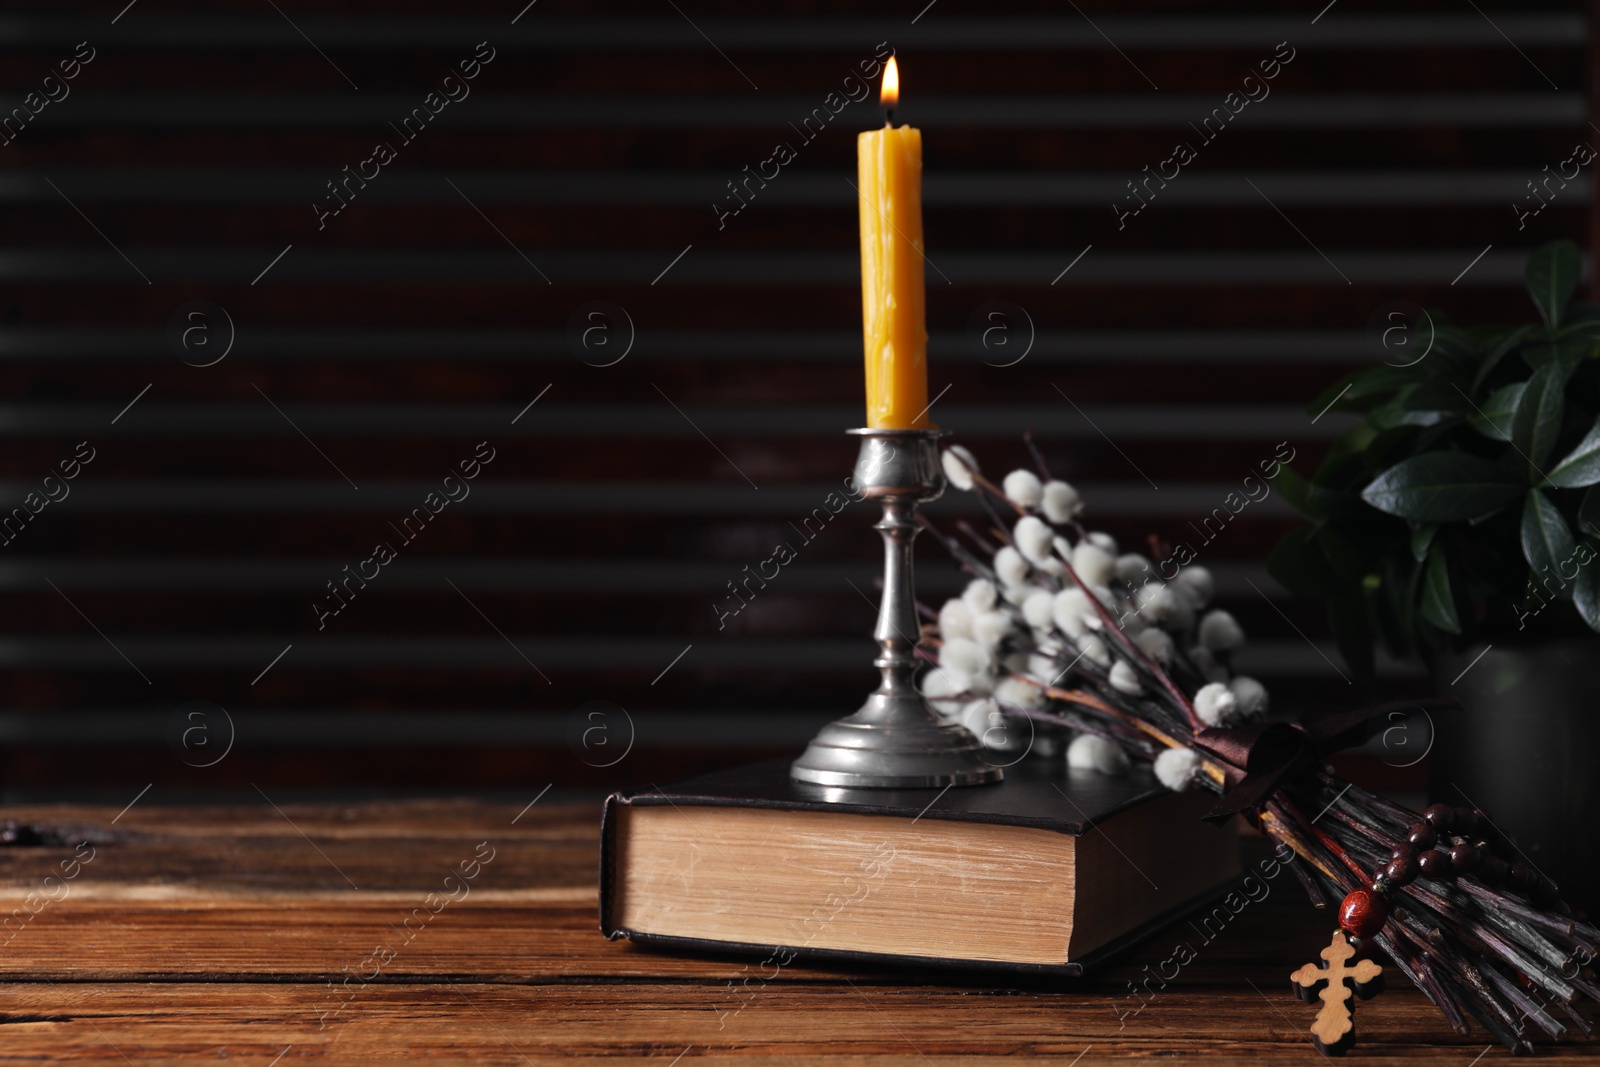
(1050, 870)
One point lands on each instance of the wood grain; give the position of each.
(198, 934)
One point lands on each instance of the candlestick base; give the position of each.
(895, 741)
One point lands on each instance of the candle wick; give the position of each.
(888, 117)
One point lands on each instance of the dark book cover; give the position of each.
(1037, 794)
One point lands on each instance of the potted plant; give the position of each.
(1459, 524)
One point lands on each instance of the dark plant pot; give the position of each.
(1526, 748)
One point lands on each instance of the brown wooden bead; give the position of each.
(1422, 835)
(1463, 857)
(1521, 878)
(1402, 870)
(1442, 817)
(1467, 823)
(1404, 848)
(1434, 864)
(1363, 913)
(1492, 870)
(1498, 843)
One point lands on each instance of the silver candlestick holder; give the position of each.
(895, 741)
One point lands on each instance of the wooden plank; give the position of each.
(155, 954)
(869, 1024)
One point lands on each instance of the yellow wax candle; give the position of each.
(894, 330)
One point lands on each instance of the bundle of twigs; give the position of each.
(1114, 655)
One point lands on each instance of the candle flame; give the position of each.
(889, 95)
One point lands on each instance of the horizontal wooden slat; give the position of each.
(643, 267)
(934, 577)
(690, 419)
(991, 191)
(535, 346)
(1221, 30)
(1346, 111)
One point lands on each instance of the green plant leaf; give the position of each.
(1493, 417)
(1443, 487)
(1297, 491)
(1582, 311)
(1552, 276)
(1390, 447)
(1394, 412)
(1363, 389)
(1351, 623)
(1438, 396)
(1343, 468)
(1537, 420)
(1342, 554)
(1547, 544)
(1507, 344)
(1566, 353)
(1586, 590)
(1300, 567)
(1451, 351)
(1421, 538)
(1438, 603)
(1589, 513)
(1581, 466)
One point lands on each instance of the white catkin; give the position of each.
(983, 718)
(1166, 608)
(1107, 600)
(1071, 610)
(1060, 502)
(981, 684)
(1198, 583)
(942, 684)
(1039, 608)
(1016, 594)
(955, 620)
(1094, 564)
(1091, 753)
(1157, 644)
(979, 596)
(992, 627)
(1124, 679)
(1033, 538)
(1216, 705)
(965, 655)
(1104, 542)
(958, 472)
(1220, 631)
(1177, 768)
(1023, 488)
(1014, 692)
(993, 727)
(1094, 650)
(1207, 664)
(1251, 696)
(1128, 620)
(1132, 568)
(1010, 567)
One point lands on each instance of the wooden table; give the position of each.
(307, 934)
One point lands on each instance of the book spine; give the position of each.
(610, 815)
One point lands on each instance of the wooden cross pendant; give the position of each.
(1335, 1029)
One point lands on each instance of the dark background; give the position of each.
(377, 351)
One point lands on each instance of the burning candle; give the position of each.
(893, 327)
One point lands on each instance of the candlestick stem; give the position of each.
(895, 740)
